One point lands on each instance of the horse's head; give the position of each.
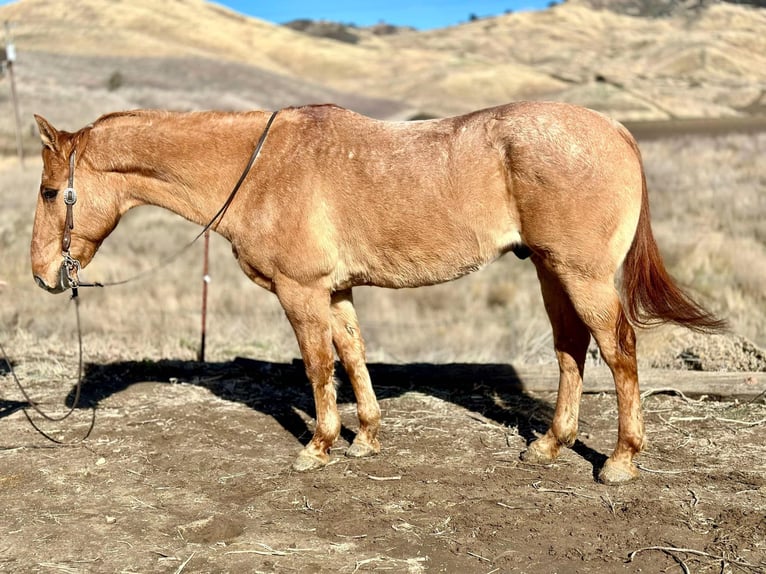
(73, 215)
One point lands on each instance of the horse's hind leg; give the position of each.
(570, 338)
(349, 344)
(598, 305)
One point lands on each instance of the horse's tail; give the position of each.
(649, 293)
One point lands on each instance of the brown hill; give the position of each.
(635, 68)
(79, 59)
(661, 8)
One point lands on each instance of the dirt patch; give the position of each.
(187, 470)
(715, 353)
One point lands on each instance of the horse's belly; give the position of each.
(416, 265)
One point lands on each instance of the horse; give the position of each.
(336, 200)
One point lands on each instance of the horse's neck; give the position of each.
(186, 164)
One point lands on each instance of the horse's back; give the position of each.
(403, 204)
(408, 203)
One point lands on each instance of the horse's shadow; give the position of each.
(281, 390)
(7, 408)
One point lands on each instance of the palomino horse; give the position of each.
(337, 200)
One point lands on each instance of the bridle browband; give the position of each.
(71, 266)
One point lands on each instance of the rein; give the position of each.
(70, 268)
(75, 400)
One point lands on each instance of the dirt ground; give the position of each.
(187, 469)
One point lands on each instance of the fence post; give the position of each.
(205, 283)
(10, 58)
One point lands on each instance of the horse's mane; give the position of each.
(116, 116)
(127, 116)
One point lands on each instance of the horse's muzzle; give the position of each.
(60, 287)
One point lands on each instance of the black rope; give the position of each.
(216, 218)
(78, 388)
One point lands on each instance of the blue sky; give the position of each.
(421, 14)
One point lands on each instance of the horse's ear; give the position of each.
(48, 134)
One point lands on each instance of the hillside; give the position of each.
(188, 54)
(661, 8)
(635, 68)
(709, 62)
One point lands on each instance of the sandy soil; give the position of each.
(187, 470)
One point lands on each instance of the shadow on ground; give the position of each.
(7, 408)
(281, 390)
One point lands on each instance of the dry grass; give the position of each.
(708, 209)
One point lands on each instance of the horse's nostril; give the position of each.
(56, 288)
(43, 285)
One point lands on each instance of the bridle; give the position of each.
(70, 267)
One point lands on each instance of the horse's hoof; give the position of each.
(614, 473)
(362, 449)
(307, 461)
(538, 454)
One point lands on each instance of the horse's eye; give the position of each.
(50, 194)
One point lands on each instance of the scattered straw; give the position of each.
(657, 471)
(569, 491)
(185, 562)
(60, 567)
(269, 551)
(719, 419)
(478, 556)
(667, 390)
(670, 550)
(739, 422)
(413, 565)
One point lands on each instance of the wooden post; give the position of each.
(10, 58)
(205, 282)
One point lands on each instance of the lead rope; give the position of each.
(78, 389)
(70, 197)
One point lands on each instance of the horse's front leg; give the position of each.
(308, 310)
(347, 338)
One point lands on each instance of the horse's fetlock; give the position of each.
(566, 436)
(568, 439)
